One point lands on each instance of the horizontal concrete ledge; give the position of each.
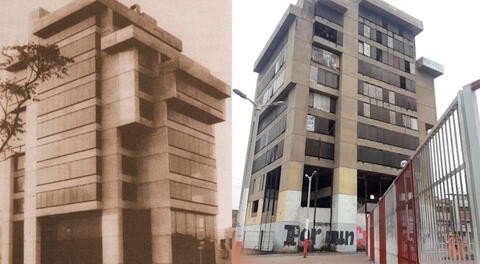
(216, 87)
(281, 29)
(429, 66)
(70, 208)
(51, 23)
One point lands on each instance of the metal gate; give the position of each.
(437, 195)
(446, 176)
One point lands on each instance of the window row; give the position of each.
(387, 24)
(380, 157)
(385, 115)
(386, 136)
(320, 149)
(273, 88)
(265, 78)
(268, 157)
(328, 33)
(385, 76)
(403, 47)
(325, 58)
(196, 225)
(270, 114)
(323, 77)
(329, 14)
(386, 57)
(270, 135)
(322, 102)
(387, 96)
(192, 193)
(320, 125)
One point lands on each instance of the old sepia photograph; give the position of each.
(115, 132)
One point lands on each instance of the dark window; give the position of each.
(327, 78)
(380, 157)
(18, 206)
(270, 197)
(268, 157)
(19, 161)
(146, 109)
(129, 191)
(329, 14)
(379, 54)
(386, 136)
(254, 207)
(145, 84)
(328, 33)
(378, 37)
(270, 114)
(18, 184)
(271, 135)
(129, 166)
(316, 148)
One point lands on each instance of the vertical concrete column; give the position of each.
(6, 211)
(344, 209)
(344, 194)
(112, 236)
(32, 234)
(112, 214)
(161, 235)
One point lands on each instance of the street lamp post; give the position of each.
(305, 239)
(239, 234)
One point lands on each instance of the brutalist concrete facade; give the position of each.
(117, 164)
(357, 102)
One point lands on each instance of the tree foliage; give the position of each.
(40, 63)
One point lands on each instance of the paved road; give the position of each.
(319, 258)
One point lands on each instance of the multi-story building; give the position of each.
(356, 103)
(117, 162)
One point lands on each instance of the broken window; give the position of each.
(325, 58)
(328, 33)
(320, 125)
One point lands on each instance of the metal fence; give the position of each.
(437, 195)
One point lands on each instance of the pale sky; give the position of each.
(450, 37)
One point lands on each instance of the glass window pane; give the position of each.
(180, 222)
(310, 123)
(366, 49)
(200, 227)
(190, 224)
(366, 110)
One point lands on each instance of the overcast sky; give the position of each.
(450, 37)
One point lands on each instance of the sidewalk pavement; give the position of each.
(314, 258)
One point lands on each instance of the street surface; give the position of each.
(316, 258)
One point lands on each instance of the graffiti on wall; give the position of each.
(342, 238)
(292, 234)
(321, 237)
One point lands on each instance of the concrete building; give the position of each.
(357, 103)
(117, 164)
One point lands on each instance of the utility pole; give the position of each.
(305, 239)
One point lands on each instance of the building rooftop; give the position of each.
(50, 23)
